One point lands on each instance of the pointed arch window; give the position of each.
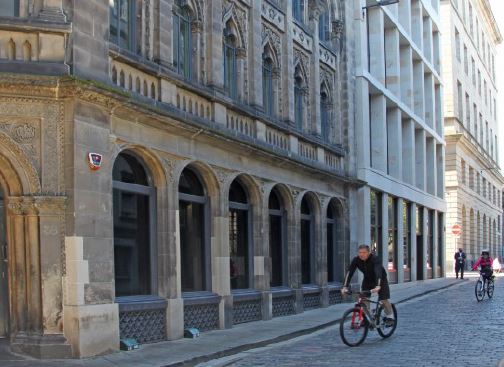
(267, 76)
(298, 98)
(182, 39)
(230, 68)
(324, 29)
(325, 113)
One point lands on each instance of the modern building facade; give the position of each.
(473, 178)
(400, 144)
(175, 163)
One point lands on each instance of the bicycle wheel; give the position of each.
(490, 288)
(479, 291)
(353, 327)
(385, 330)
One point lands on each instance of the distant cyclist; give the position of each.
(375, 278)
(485, 262)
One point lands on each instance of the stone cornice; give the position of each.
(490, 20)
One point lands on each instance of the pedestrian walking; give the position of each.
(460, 258)
(496, 265)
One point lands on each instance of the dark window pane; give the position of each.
(268, 85)
(192, 246)
(306, 251)
(274, 201)
(275, 249)
(129, 170)
(131, 243)
(305, 206)
(190, 184)
(238, 243)
(330, 252)
(237, 194)
(114, 20)
(9, 8)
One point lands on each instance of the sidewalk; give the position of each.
(220, 343)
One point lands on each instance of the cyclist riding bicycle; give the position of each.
(375, 278)
(485, 262)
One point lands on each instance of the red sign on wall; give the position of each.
(456, 229)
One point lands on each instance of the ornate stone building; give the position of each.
(473, 178)
(224, 190)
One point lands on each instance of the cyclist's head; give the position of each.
(485, 253)
(364, 251)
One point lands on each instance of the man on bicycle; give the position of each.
(375, 278)
(485, 262)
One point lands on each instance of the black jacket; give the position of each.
(460, 257)
(372, 268)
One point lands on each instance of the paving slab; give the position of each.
(221, 343)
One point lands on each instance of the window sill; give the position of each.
(245, 294)
(201, 297)
(141, 302)
(281, 292)
(310, 289)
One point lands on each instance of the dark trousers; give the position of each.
(459, 267)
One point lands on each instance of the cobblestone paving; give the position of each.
(446, 328)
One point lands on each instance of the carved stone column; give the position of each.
(36, 304)
(50, 215)
(197, 30)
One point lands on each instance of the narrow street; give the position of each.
(445, 328)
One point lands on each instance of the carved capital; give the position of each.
(50, 205)
(36, 205)
(197, 26)
(241, 53)
(337, 28)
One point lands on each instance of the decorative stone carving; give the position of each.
(301, 59)
(230, 9)
(302, 38)
(337, 28)
(327, 57)
(27, 166)
(37, 205)
(273, 15)
(25, 132)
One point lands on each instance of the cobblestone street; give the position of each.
(445, 328)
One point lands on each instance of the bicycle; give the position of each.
(484, 285)
(359, 319)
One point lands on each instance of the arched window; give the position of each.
(267, 76)
(9, 8)
(182, 39)
(230, 68)
(298, 10)
(277, 239)
(195, 257)
(307, 240)
(134, 228)
(298, 98)
(324, 29)
(126, 24)
(239, 237)
(325, 112)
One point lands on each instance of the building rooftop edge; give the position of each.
(493, 23)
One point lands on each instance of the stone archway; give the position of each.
(34, 281)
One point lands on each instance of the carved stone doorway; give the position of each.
(4, 279)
